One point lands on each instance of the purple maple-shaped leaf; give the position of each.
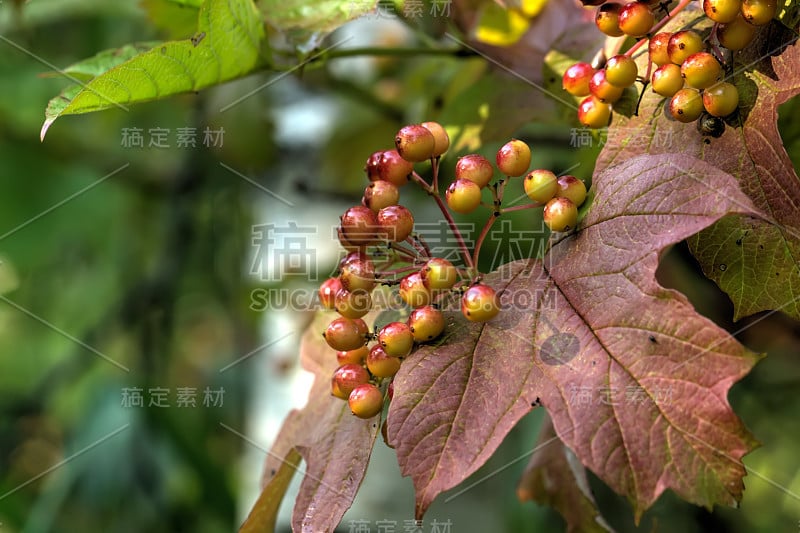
(634, 379)
(335, 445)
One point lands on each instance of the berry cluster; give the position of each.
(384, 250)
(685, 67)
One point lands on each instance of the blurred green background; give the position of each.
(129, 271)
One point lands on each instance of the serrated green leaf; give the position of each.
(92, 67)
(226, 46)
(305, 18)
(175, 19)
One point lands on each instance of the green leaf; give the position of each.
(304, 18)
(175, 19)
(225, 47)
(92, 67)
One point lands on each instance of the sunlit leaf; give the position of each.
(226, 46)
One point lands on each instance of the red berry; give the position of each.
(396, 223)
(415, 143)
(362, 327)
(358, 275)
(440, 137)
(475, 168)
(439, 274)
(621, 71)
(657, 48)
(721, 99)
(576, 79)
(343, 334)
(463, 196)
(560, 214)
(413, 290)
(396, 339)
(540, 185)
(572, 188)
(480, 303)
(682, 44)
(380, 194)
(354, 357)
(593, 113)
(701, 70)
(360, 226)
(353, 304)
(602, 89)
(426, 323)
(514, 158)
(346, 378)
(636, 19)
(667, 79)
(381, 364)
(366, 401)
(686, 105)
(327, 292)
(722, 11)
(387, 165)
(607, 19)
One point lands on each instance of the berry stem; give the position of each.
(419, 247)
(399, 250)
(462, 245)
(532, 205)
(484, 232)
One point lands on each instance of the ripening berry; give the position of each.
(721, 99)
(722, 11)
(621, 71)
(759, 12)
(593, 113)
(387, 165)
(657, 48)
(415, 143)
(358, 275)
(480, 303)
(353, 304)
(514, 158)
(540, 185)
(701, 70)
(560, 214)
(576, 79)
(396, 339)
(439, 274)
(413, 290)
(602, 89)
(360, 226)
(366, 401)
(346, 378)
(607, 19)
(441, 139)
(327, 292)
(572, 188)
(636, 19)
(362, 327)
(347, 245)
(667, 80)
(476, 168)
(381, 364)
(682, 44)
(736, 35)
(686, 105)
(463, 196)
(353, 357)
(380, 194)
(343, 334)
(395, 222)
(426, 323)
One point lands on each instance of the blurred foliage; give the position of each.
(140, 256)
